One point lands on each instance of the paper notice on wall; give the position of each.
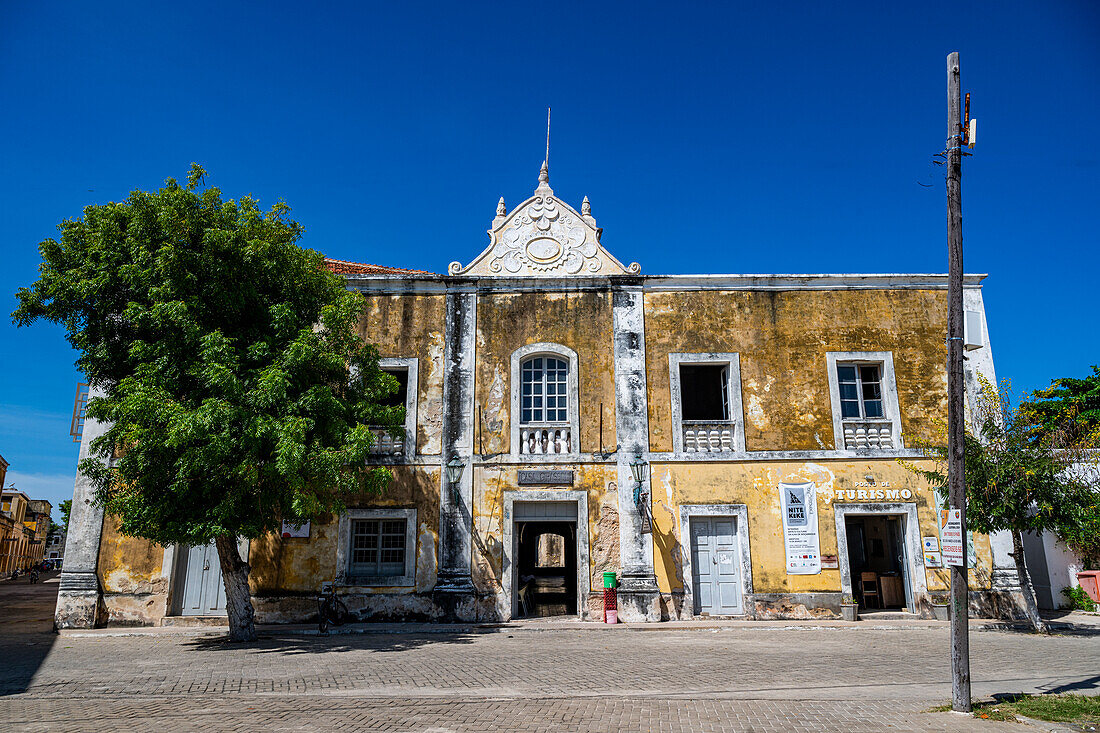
(952, 542)
(800, 537)
(295, 530)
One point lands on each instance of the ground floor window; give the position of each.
(377, 547)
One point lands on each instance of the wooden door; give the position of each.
(203, 589)
(715, 566)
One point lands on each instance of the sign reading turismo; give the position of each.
(800, 536)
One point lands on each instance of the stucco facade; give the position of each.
(547, 368)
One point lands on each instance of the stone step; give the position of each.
(888, 616)
(194, 621)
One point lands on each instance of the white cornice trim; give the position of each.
(657, 283)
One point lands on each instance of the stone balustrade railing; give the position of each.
(869, 435)
(386, 444)
(540, 441)
(708, 437)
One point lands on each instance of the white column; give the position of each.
(454, 588)
(639, 599)
(79, 597)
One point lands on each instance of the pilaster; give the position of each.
(79, 596)
(454, 588)
(639, 599)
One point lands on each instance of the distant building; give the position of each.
(23, 529)
(55, 546)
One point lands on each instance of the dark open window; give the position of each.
(397, 399)
(704, 392)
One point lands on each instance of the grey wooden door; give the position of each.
(203, 589)
(715, 566)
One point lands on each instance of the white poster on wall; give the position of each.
(295, 530)
(800, 537)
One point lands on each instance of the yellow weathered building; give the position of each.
(765, 416)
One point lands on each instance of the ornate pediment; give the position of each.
(544, 237)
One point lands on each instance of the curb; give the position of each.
(408, 629)
(1045, 725)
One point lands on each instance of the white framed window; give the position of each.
(860, 390)
(405, 370)
(707, 414)
(864, 399)
(544, 401)
(544, 390)
(377, 547)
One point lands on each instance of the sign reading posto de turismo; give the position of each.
(872, 492)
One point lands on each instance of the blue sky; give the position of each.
(716, 137)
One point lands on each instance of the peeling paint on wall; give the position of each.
(782, 338)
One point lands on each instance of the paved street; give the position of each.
(515, 679)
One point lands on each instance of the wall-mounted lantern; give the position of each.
(454, 469)
(639, 469)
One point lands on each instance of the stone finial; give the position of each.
(502, 213)
(544, 180)
(586, 214)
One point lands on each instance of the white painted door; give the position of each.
(203, 589)
(715, 566)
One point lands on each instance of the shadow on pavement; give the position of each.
(26, 629)
(274, 643)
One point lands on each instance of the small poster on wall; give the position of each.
(932, 560)
(800, 536)
(295, 530)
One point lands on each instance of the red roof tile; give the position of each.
(343, 267)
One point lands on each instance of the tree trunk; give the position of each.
(238, 599)
(1025, 583)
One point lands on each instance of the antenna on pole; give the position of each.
(547, 158)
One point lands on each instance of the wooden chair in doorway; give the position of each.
(869, 588)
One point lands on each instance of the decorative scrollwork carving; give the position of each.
(544, 236)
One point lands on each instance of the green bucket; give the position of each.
(609, 579)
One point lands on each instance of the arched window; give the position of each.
(544, 400)
(545, 390)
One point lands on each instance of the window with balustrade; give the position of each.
(544, 400)
(706, 403)
(864, 401)
(386, 443)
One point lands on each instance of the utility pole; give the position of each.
(960, 610)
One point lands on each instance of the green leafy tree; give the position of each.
(1069, 410)
(237, 390)
(1014, 482)
(66, 508)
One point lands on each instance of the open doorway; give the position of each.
(546, 568)
(877, 561)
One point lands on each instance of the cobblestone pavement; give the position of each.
(522, 680)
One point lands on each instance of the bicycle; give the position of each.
(330, 609)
